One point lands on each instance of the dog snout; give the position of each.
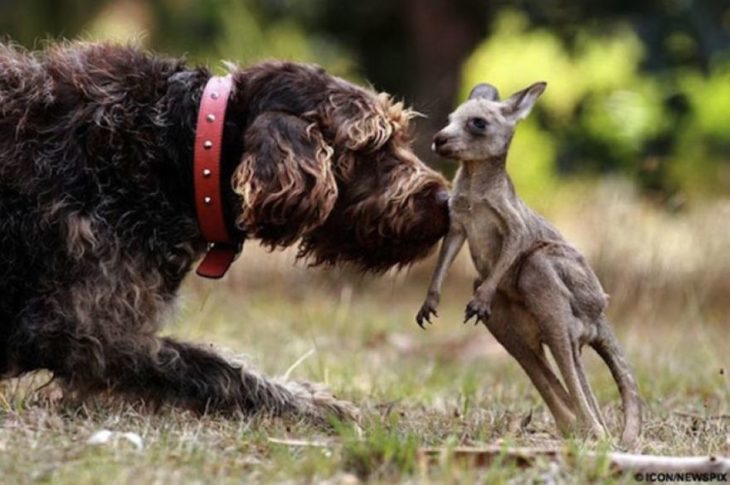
(442, 197)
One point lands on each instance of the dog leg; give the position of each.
(97, 356)
(167, 371)
(200, 379)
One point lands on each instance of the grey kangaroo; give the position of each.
(534, 289)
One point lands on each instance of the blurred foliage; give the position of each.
(639, 89)
(215, 30)
(603, 112)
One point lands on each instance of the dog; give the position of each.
(100, 220)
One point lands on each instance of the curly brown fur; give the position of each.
(301, 187)
(97, 219)
(386, 216)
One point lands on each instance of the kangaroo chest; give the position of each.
(483, 226)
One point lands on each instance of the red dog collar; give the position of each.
(222, 249)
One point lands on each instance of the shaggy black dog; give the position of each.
(98, 225)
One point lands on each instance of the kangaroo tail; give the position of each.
(608, 347)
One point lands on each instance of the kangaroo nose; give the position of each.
(439, 140)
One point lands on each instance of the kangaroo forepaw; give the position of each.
(478, 308)
(427, 310)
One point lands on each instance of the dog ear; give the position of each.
(358, 120)
(285, 179)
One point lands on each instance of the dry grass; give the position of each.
(669, 276)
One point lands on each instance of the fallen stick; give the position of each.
(670, 464)
(525, 457)
(300, 443)
(620, 462)
(701, 417)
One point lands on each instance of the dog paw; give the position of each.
(427, 310)
(316, 401)
(479, 308)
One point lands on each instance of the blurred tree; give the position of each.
(414, 48)
(27, 21)
(606, 111)
(640, 86)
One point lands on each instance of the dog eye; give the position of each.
(478, 124)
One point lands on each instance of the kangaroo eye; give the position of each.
(478, 124)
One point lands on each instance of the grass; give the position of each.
(451, 385)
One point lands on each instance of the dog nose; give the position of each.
(439, 140)
(442, 197)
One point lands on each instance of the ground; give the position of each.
(447, 386)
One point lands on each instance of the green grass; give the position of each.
(451, 385)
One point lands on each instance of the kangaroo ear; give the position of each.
(484, 91)
(519, 105)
